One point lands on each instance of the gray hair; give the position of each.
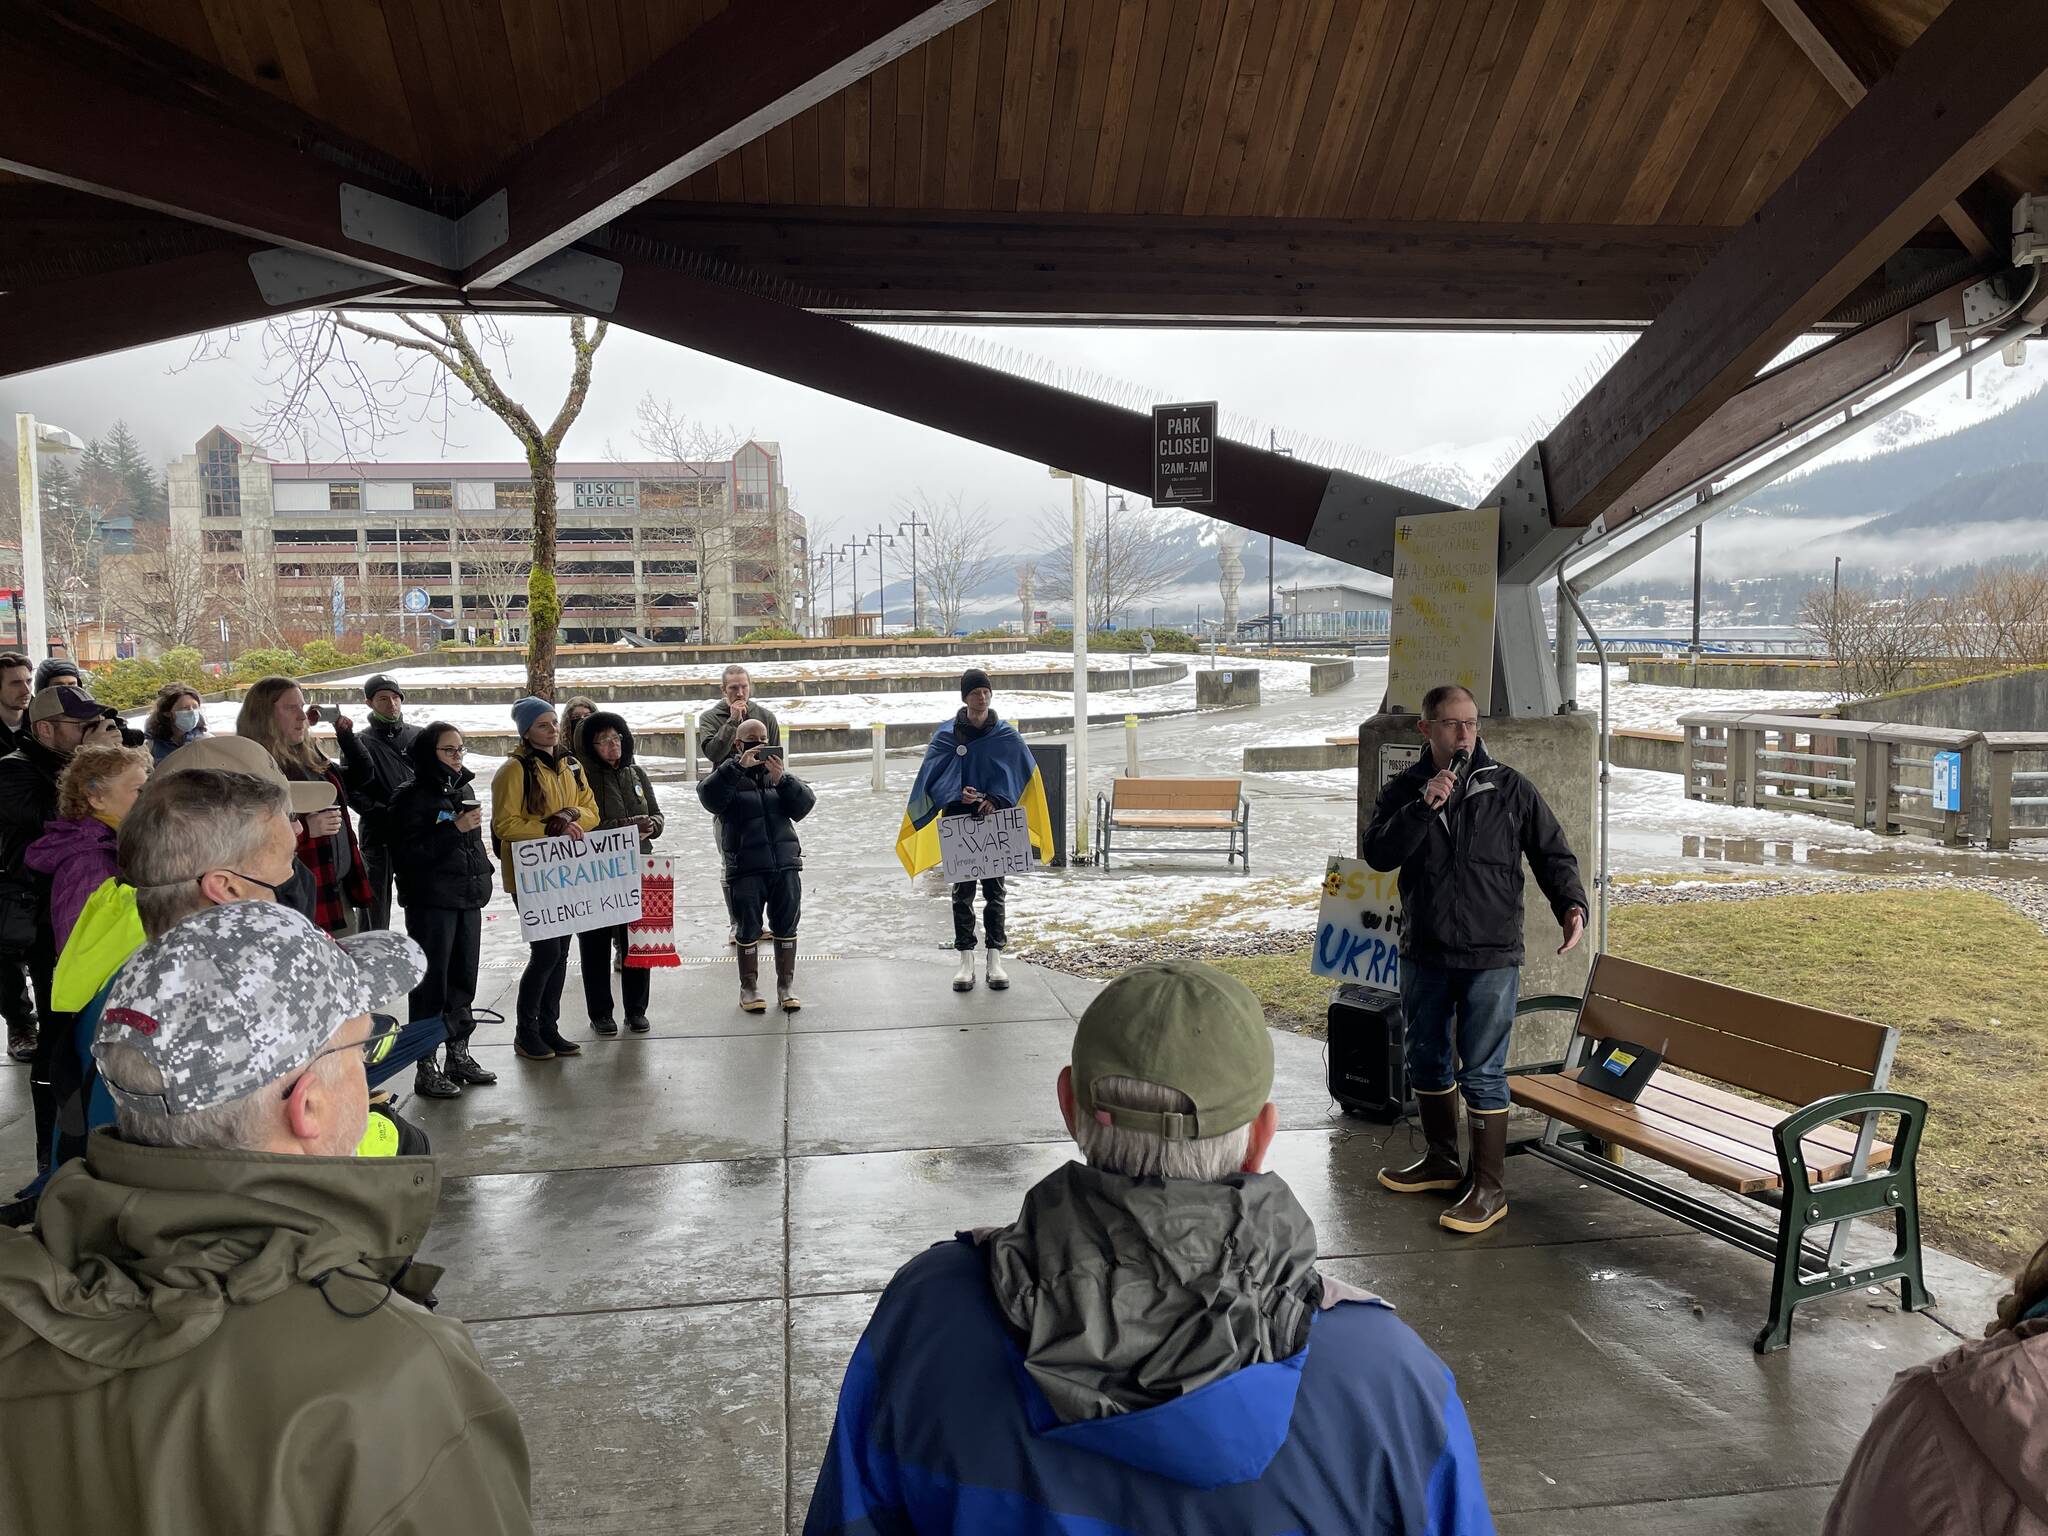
(186, 824)
(1146, 1154)
(240, 1125)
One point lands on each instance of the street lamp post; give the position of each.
(911, 526)
(851, 549)
(1077, 852)
(1272, 616)
(876, 541)
(1108, 579)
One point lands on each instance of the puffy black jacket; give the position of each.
(1461, 868)
(435, 865)
(757, 824)
(376, 763)
(28, 800)
(623, 791)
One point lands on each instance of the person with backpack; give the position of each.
(444, 882)
(603, 744)
(540, 791)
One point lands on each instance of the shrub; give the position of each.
(183, 664)
(323, 656)
(919, 634)
(127, 684)
(768, 632)
(378, 648)
(992, 634)
(266, 662)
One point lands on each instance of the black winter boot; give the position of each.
(430, 1082)
(1438, 1167)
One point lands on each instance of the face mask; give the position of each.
(188, 720)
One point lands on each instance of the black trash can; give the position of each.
(1368, 1071)
(1051, 758)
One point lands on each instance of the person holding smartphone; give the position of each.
(274, 716)
(443, 872)
(758, 803)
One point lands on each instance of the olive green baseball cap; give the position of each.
(1179, 1024)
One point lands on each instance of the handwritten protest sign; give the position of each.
(1444, 572)
(565, 887)
(986, 847)
(1358, 928)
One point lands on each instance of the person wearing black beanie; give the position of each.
(972, 679)
(977, 719)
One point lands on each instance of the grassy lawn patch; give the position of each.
(1963, 976)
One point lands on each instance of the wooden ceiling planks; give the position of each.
(1480, 96)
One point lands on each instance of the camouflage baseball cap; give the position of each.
(235, 997)
(1183, 1025)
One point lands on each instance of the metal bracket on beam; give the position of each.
(1531, 546)
(294, 279)
(409, 230)
(586, 283)
(1355, 522)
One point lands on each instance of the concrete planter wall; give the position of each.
(1227, 688)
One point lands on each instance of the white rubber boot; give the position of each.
(998, 978)
(963, 979)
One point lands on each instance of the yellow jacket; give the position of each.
(562, 788)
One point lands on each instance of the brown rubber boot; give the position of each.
(750, 979)
(1485, 1199)
(1439, 1167)
(785, 976)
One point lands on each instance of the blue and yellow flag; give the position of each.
(997, 763)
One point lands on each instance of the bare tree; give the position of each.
(955, 555)
(317, 371)
(1874, 639)
(71, 554)
(696, 510)
(493, 551)
(1131, 562)
(164, 592)
(1999, 620)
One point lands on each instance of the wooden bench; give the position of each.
(1813, 1171)
(1175, 805)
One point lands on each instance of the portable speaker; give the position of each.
(1368, 1037)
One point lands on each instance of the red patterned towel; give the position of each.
(651, 940)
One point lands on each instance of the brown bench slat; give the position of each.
(1829, 1147)
(1756, 1065)
(1686, 1098)
(1558, 1096)
(1213, 821)
(1734, 1148)
(1127, 794)
(1830, 1037)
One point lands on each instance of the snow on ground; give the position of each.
(1642, 707)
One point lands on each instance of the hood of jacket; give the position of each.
(139, 1252)
(1164, 1321)
(69, 839)
(586, 735)
(1998, 1390)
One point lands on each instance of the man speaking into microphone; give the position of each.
(1457, 825)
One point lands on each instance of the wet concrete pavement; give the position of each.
(668, 1246)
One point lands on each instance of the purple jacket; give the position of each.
(78, 856)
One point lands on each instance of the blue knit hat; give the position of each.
(528, 710)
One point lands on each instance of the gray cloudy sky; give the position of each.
(1410, 395)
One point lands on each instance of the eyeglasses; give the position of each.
(1457, 725)
(449, 751)
(374, 1049)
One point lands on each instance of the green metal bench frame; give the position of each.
(1801, 1269)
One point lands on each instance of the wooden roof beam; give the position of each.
(117, 113)
(1968, 90)
(62, 322)
(1851, 57)
(749, 68)
(1265, 492)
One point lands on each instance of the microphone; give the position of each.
(1460, 761)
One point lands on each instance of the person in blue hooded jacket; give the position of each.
(1149, 1347)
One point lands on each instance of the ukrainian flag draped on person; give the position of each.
(997, 763)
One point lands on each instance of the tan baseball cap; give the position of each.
(238, 754)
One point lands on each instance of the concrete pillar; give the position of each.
(1560, 755)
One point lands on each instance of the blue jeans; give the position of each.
(1474, 1048)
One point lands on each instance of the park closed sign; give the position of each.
(564, 885)
(1184, 454)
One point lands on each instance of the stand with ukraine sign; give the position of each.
(566, 885)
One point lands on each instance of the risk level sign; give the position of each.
(1184, 454)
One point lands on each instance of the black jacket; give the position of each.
(622, 792)
(1461, 868)
(376, 763)
(757, 824)
(28, 799)
(435, 865)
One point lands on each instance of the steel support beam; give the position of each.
(1852, 58)
(1266, 492)
(87, 316)
(1974, 84)
(122, 117)
(749, 68)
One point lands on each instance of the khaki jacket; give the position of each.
(563, 787)
(223, 1341)
(1958, 1447)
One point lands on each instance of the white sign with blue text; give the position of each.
(1358, 928)
(564, 886)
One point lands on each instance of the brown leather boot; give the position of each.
(1438, 1167)
(785, 975)
(750, 979)
(1485, 1199)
